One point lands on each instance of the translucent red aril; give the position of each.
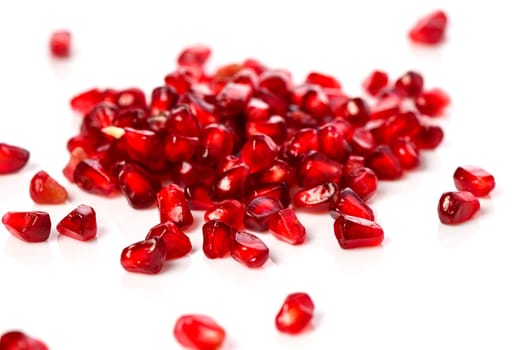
(277, 82)
(29, 226)
(375, 82)
(316, 168)
(145, 147)
(316, 197)
(354, 232)
(139, 186)
(249, 250)
(183, 77)
(278, 171)
(410, 84)
(315, 102)
(195, 55)
(332, 144)
(77, 155)
(274, 127)
(432, 102)
(132, 118)
(429, 137)
(186, 174)
(357, 111)
(147, 256)
(178, 148)
(258, 212)
(363, 142)
(474, 179)
(60, 44)
(229, 211)
(457, 207)
(217, 237)
(217, 141)
(323, 80)
(259, 152)
(99, 117)
(301, 143)
(16, 340)
(199, 332)
(257, 109)
(384, 163)
(285, 226)
(233, 99)
(80, 224)
(362, 181)
(352, 163)
(404, 124)
(43, 189)
(280, 191)
(12, 158)
(385, 107)
(163, 99)
(347, 202)
(181, 121)
(86, 100)
(176, 242)
(406, 152)
(430, 29)
(198, 196)
(131, 98)
(231, 184)
(173, 206)
(295, 314)
(90, 176)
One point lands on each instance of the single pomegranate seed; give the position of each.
(430, 29)
(259, 152)
(384, 163)
(280, 191)
(178, 148)
(347, 202)
(181, 121)
(229, 211)
(279, 171)
(198, 196)
(139, 187)
(176, 242)
(196, 55)
(317, 197)
(217, 237)
(474, 179)
(402, 125)
(98, 118)
(352, 163)
(257, 109)
(145, 147)
(29, 226)
(91, 177)
(316, 168)
(255, 65)
(363, 142)
(186, 174)
(249, 250)
(77, 155)
(286, 227)
(247, 77)
(410, 84)
(357, 111)
(323, 80)
(363, 181)
(332, 144)
(60, 44)
(163, 99)
(80, 224)
(385, 107)
(16, 340)
(258, 213)
(406, 152)
(132, 118)
(174, 207)
(429, 137)
(12, 158)
(432, 102)
(231, 184)
(131, 98)
(217, 141)
(277, 82)
(233, 99)
(199, 332)
(295, 314)
(315, 102)
(86, 100)
(375, 82)
(275, 128)
(354, 232)
(182, 78)
(147, 256)
(43, 189)
(301, 143)
(457, 207)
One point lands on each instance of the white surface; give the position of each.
(428, 287)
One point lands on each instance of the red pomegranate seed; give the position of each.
(147, 256)
(163, 99)
(353, 232)
(99, 117)
(429, 137)
(217, 141)
(277, 82)
(315, 102)
(60, 44)
(280, 191)
(474, 179)
(457, 207)
(43, 189)
(217, 237)
(249, 250)
(406, 152)
(139, 187)
(301, 143)
(323, 80)
(186, 174)
(12, 158)
(176, 242)
(259, 152)
(173, 206)
(286, 227)
(29, 226)
(183, 77)
(316, 168)
(198, 196)
(196, 55)
(375, 82)
(410, 84)
(430, 29)
(181, 121)
(347, 202)
(352, 163)
(178, 148)
(131, 118)
(384, 163)
(363, 181)
(145, 147)
(432, 102)
(199, 332)
(90, 176)
(332, 144)
(357, 111)
(231, 184)
(278, 171)
(77, 155)
(362, 142)
(317, 197)
(229, 211)
(258, 213)
(86, 100)
(385, 107)
(16, 340)
(295, 314)
(131, 98)
(233, 99)
(257, 109)
(404, 124)
(275, 128)
(80, 223)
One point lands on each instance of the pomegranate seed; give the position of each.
(131, 98)
(217, 237)
(99, 117)
(323, 80)
(275, 128)
(317, 197)
(60, 44)
(286, 227)
(217, 141)
(474, 179)
(278, 171)
(295, 314)
(16, 340)
(233, 99)
(174, 207)
(362, 142)
(410, 84)
(363, 181)
(384, 164)
(139, 187)
(280, 191)
(196, 55)
(91, 177)
(180, 121)
(12, 158)
(429, 137)
(145, 147)
(357, 111)
(406, 152)
(353, 162)
(130, 117)
(249, 250)
(432, 102)
(347, 202)
(301, 143)
(332, 144)
(246, 77)
(278, 105)
(255, 65)
(163, 99)
(375, 82)
(86, 100)
(385, 108)
(29, 226)
(80, 224)
(316, 168)
(186, 174)
(43, 189)
(353, 232)
(457, 207)
(315, 102)
(257, 109)
(147, 256)
(198, 196)
(402, 125)
(178, 148)
(231, 184)
(177, 244)
(199, 332)
(259, 152)
(258, 213)
(77, 155)
(430, 29)
(182, 78)
(277, 82)
(229, 211)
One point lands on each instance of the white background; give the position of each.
(428, 286)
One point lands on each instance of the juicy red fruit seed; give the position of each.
(90, 176)
(316, 168)
(259, 152)
(316, 197)
(86, 100)
(80, 223)
(60, 44)
(229, 211)
(231, 184)
(410, 84)
(16, 340)
(217, 237)
(29, 226)
(12, 158)
(249, 250)
(139, 187)
(196, 55)
(174, 207)
(432, 102)
(295, 314)
(280, 191)
(323, 80)
(163, 99)
(354, 232)
(347, 202)
(176, 241)
(430, 29)
(217, 143)
(43, 189)
(198, 196)
(258, 213)
(429, 137)
(375, 82)
(406, 152)
(286, 226)
(363, 181)
(474, 179)
(147, 256)
(457, 207)
(199, 332)
(384, 163)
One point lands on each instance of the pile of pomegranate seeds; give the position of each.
(60, 44)
(16, 340)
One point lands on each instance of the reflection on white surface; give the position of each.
(37, 256)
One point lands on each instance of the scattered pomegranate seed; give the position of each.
(217, 237)
(410, 84)
(229, 211)
(258, 212)
(249, 250)
(316, 168)
(196, 55)
(406, 152)
(363, 181)
(347, 202)
(430, 29)
(93, 178)
(323, 80)
(60, 44)
(474, 179)
(16, 340)
(85, 101)
(429, 137)
(198, 196)
(384, 163)
(285, 226)
(147, 256)
(354, 232)
(173, 206)
(29, 226)
(12, 158)
(432, 102)
(43, 189)
(139, 187)
(457, 207)
(199, 332)
(295, 314)
(231, 184)
(176, 241)
(80, 224)
(317, 197)
(259, 152)
(375, 82)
